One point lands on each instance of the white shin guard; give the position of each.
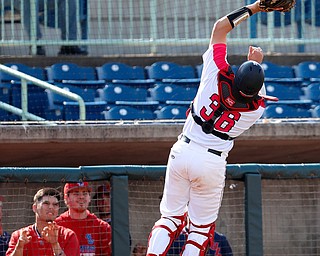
(199, 239)
(165, 230)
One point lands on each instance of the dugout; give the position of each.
(266, 209)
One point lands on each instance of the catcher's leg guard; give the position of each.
(163, 233)
(199, 239)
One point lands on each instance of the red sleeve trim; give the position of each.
(220, 56)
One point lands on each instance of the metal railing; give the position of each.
(158, 26)
(23, 112)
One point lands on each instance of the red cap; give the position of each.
(70, 186)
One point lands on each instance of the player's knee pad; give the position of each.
(200, 238)
(163, 233)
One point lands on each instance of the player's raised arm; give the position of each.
(225, 24)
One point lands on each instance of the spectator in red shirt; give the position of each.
(94, 234)
(44, 237)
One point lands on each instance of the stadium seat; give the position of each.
(280, 74)
(272, 70)
(37, 98)
(88, 94)
(173, 94)
(32, 71)
(128, 113)
(121, 73)
(72, 74)
(119, 94)
(10, 89)
(316, 111)
(172, 112)
(308, 70)
(54, 114)
(94, 111)
(285, 111)
(70, 109)
(169, 72)
(312, 92)
(284, 92)
(5, 90)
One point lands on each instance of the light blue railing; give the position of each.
(158, 26)
(25, 79)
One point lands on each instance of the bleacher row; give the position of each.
(163, 90)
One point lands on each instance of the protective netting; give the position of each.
(142, 27)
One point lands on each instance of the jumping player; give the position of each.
(225, 106)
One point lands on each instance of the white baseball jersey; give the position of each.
(195, 175)
(232, 123)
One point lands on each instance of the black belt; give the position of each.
(210, 150)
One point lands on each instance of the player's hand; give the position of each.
(50, 233)
(24, 238)
(255, 53)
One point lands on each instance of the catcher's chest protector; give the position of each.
(225, 82)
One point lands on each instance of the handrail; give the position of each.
(23, 112)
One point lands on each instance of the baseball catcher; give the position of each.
(226, 105)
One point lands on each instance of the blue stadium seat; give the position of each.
(32, 71)
(284, 92)
(312, 92)
(64, 108)
(128, 113)
(88, 94)
(5, 90)
(54, 114)
(169, 72)
(308, 70)
(272, 70)
(37, 98)
(10, 89)
(280, 74)
(286, 111)
(72, 74)
(119, 94)
(94, 111)
(121, 73)
(173, 94)
(316, 111)
(172, 112)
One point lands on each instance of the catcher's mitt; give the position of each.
(274, 5)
